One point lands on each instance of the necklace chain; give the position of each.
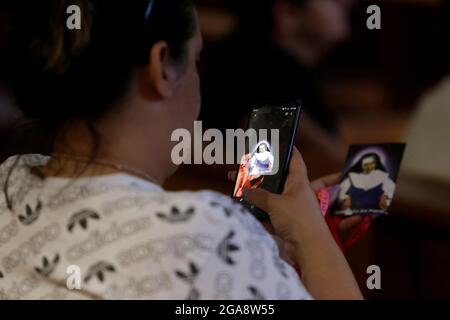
(106, 163)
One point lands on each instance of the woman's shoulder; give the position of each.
(204, 205)
(239, 250)
(215, 211)
(21, 161)
(33, 159)
(191, 212)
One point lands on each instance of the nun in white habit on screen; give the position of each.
(261, 162)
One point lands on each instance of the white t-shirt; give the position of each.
(131, 240)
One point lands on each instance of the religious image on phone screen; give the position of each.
(264, 159)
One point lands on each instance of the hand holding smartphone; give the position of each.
(295, 217)
(266, 160)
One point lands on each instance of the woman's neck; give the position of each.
(83, 150)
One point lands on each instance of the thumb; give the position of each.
(298, 173)
(297, 167)
(261, 199)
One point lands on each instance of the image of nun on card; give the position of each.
(367, 188)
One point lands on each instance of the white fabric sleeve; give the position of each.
(345, 186)
(389, 188)
(246, 265)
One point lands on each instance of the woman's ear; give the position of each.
(161, 71)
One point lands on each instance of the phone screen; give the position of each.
(268, 152)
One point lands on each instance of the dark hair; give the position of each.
(57, 74)
(256, 16)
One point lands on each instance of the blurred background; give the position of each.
(357, 86)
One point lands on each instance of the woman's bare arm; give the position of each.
(297, 219)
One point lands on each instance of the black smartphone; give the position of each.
(266, 158)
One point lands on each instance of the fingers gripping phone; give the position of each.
(267, 155)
